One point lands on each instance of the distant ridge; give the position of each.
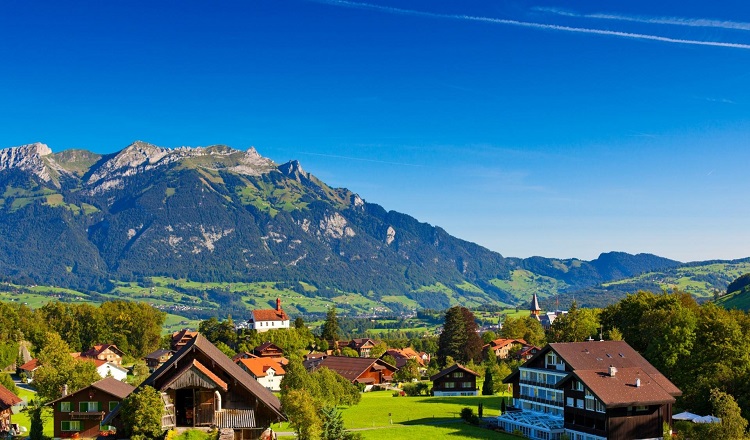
(83, 220)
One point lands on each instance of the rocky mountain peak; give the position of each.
(294, 170)
(31, 157)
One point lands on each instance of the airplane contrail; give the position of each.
(674, 21)
(555, 27)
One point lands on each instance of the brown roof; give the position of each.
(350, 367)
(621, 390)
(270, 315)
(590, 362)
(259, 366)
(221, 361)
(155, 355)
(266, 346)
(451, 369)
(109, 385)
(30, 365)
(502, 342)
(96, 350)
(361, 342)
(7, 398)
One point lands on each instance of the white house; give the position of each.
(268, 319)
(267, 371)
(105, 369)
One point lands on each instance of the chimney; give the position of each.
(638, 382)
(278, 304)
(65, 390)
(612, 371)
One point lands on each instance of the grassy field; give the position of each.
(416, 417)
(22, 418)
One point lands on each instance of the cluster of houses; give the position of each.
(592, 390)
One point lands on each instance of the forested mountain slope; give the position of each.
(82, 220)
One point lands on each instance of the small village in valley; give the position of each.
(541, 375)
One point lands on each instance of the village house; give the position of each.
(594, 390)
(268, 319)
(79, 414)
(157, 358)
(455, 380)
(366, 371)
(104, 352)
(268, 349)
(29, 368)
(202, 387)
(502, 347)
(362, 346)
(7, 400)
(267, 371)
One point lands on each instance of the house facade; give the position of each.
(110, 369)
(594, 390)
(363, 346)
(455, 380)
(80, 414)
(104, 352)
(268, 319)
(7, 400)
(268, 349)
(201, 387)
(501, 347)
(267, 371)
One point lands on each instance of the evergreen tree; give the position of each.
(459, 339)
(488, 387)
(330, 330)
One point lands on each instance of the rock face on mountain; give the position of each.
(80, 219)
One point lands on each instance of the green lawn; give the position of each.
(22, 418)
(416, 417)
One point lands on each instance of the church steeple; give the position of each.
(534, 306)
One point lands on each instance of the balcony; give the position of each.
(87, 415)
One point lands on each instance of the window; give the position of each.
(579, 403)
(458, 374)
(89, 407)
(70, 425)
(466, 384)
(112, 405)
(449, 385)
(578, 385)
(65, 407)
(600, 406)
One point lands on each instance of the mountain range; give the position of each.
(83, 220)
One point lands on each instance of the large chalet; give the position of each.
(595, 390)
(202, 387)
(7, 400)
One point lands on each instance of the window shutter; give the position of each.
(83, 406)
(98, 406)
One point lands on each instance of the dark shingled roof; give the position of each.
(109, 385)
(158, 353)
(451, 369)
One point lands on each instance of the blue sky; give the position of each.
(561, 129)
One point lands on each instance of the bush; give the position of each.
(467, 413)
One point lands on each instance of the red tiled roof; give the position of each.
(96, 350)
(7, 398)
(350, 367)
(269, 315)
(502, 342)
(259, 366)
(30, 365)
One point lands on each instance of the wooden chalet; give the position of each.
(201, 386)
(80, 414)
(268, 349)
(502, 347)
(7, 400)
(367, 371)
(595, 390)
(104, 352)
(362, 346)
(455, 380)
(157, 358)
